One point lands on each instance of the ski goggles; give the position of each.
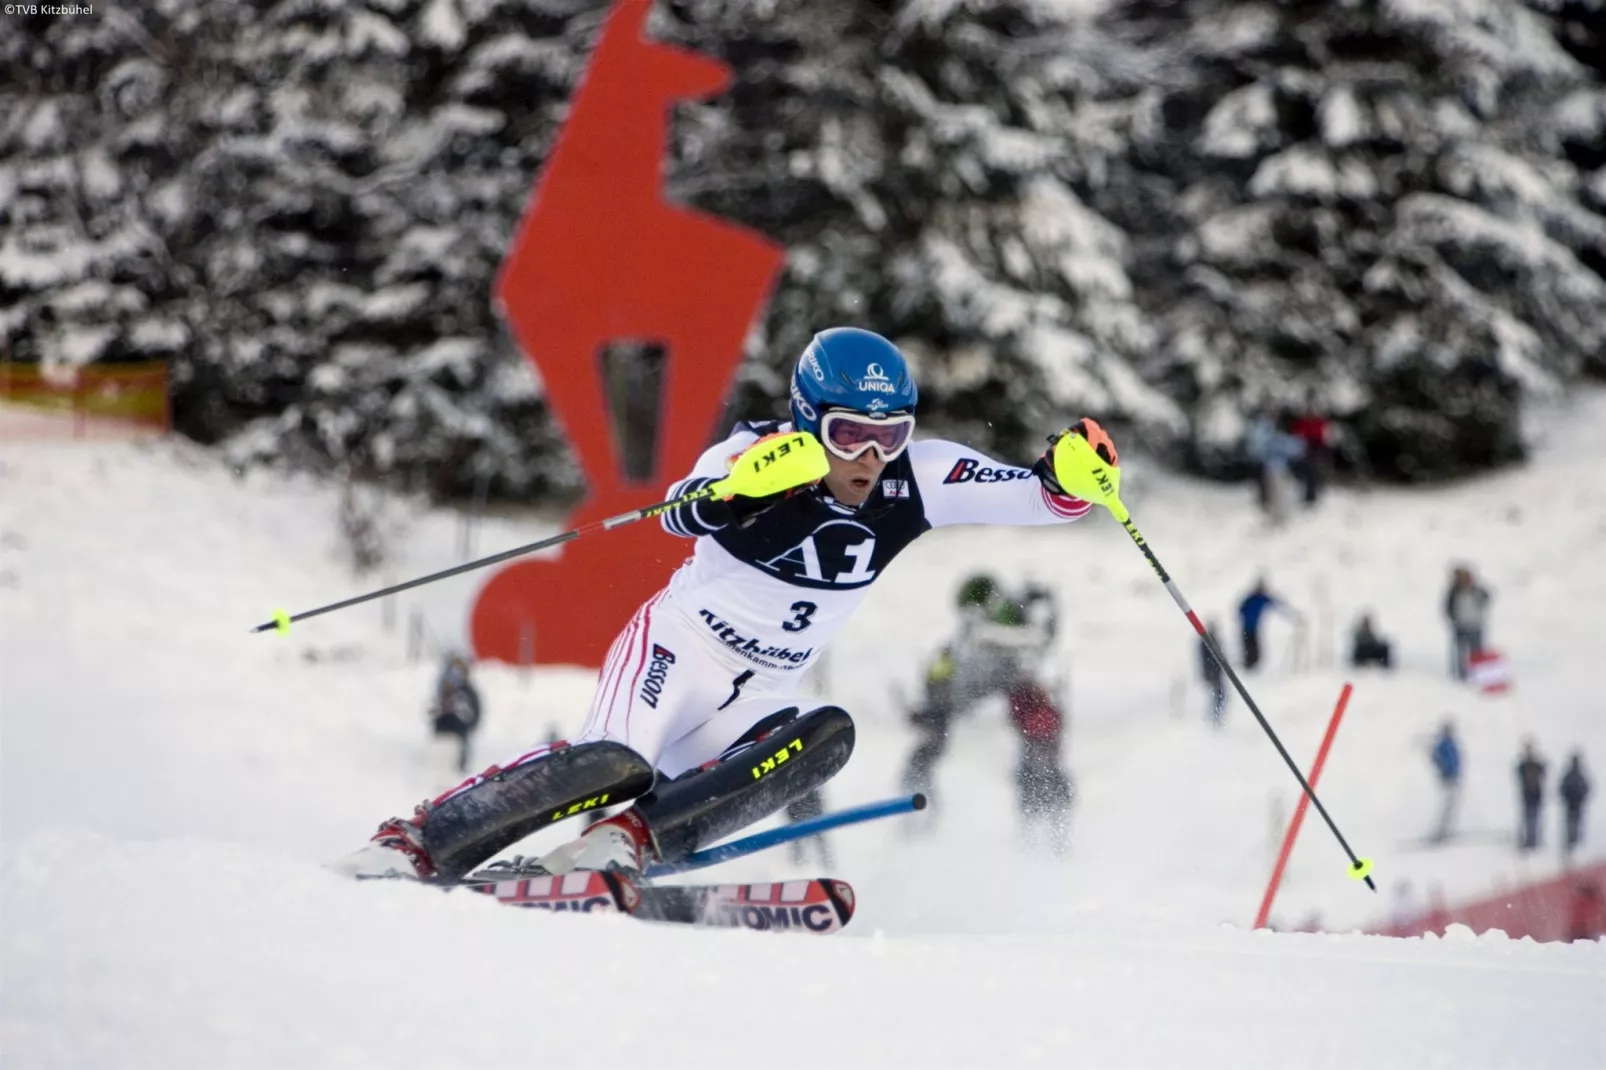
(850, 434)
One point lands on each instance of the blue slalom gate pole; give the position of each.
(775, 837)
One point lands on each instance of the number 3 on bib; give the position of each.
(804, 611)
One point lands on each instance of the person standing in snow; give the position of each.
(1315, 434)
(1042, 788)
(455, 710)
(1466, 607)
(1574, 791)
(1001, 643)
(931, 722)
(1251, 611)
(1531, 790)
(1272, 450)
(1447, 763)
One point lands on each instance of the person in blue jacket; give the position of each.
(1447, 762)
(1250, 612)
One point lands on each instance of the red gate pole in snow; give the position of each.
(1299, 811)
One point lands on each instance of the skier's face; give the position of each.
(850, 482)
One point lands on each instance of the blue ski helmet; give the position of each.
(850, 368)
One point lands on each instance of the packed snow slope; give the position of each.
(170, 784)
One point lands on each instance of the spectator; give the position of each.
(1215, 678)
(1574, 790)
(1369, 648)
(1272, 450)
(1447, 762)
(1466, 606)
(1531, 786)
(931, 721)
(1003, 640)
(1042, 788)
(1315, 434)
(1250, 612)
(455, 710)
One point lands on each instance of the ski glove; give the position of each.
(775, 464)
(1073, 470)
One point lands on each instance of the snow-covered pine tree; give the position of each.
(1368, 200)
(1580, 28)
(487, 91)
(88, 152)
(395, 145)
(302, 206)
(1580, 117)
(918, 162)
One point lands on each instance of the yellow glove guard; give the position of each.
(774, 464)
(1086, 475)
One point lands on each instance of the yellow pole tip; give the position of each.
(281, 621)
(1361, 869)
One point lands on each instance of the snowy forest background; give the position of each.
(1164, 214)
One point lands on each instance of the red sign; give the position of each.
(602, 258)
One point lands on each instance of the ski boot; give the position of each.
(450, 835)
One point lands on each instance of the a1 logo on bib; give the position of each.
(837, 554)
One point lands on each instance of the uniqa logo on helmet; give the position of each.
(875, 380)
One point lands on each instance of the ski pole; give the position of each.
(1094, 479)
(788, 463)
(775, 837)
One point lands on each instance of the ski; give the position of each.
(818, 905)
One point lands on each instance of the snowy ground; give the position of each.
(169, 784)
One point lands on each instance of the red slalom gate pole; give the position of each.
(1299, 811)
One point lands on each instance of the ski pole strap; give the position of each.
(761, 841)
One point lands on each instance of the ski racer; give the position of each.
(696, 716)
